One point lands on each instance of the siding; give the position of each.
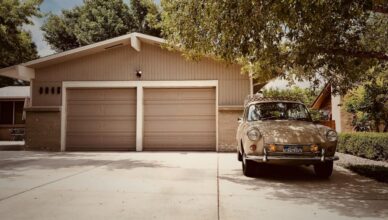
(120, 64)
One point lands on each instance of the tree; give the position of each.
(306, 95)
(98, 20)
(370, 102)
(343, 42)
(94, 21)
(147, 17)
(16, 45)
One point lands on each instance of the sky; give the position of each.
(56, 6)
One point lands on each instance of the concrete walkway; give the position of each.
(173, 185)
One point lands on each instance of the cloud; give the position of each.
(37, 36)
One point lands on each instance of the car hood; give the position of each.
(289, 132)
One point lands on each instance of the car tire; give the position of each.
(248, 167)
(239, 156)
(324, 170)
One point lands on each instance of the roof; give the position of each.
(26, 71)
(14, 92)
(324, 94)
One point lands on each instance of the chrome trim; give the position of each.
(267, 158)
(323, 155)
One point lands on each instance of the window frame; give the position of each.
(304, 106)
(14, 101)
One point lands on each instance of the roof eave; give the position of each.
(26, 71)
(18, 72)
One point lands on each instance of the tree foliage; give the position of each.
(147, 17)
(340, 41)
(369, 102)
(98, 20)
(16, 45)
(306, 95)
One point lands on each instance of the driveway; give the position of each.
(173, 185)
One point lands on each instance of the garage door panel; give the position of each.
(102, 109)
(102, 126)
(179, 119)
(177, 125)
(186, 142)
(106, 94)
(180, 109)
(179, 94)
(98, 140)
(101, 119)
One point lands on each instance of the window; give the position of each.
(278, 111)
(11, 112)
(19, 112)
(6, 112)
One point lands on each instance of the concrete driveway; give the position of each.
(39, 185)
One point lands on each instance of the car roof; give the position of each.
(258, 98)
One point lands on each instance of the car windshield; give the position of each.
(278, 111)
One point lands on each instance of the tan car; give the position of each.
(281, 131)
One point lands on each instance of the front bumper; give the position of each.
(291, 159)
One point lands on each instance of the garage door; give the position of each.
(179, 119)
(101, 119)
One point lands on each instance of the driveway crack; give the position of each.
(218, 188)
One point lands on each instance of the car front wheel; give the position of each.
(248, 166)
(324, 170)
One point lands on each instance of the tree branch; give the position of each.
(360, 54)
(380, 9)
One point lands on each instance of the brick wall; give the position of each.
(43, 131)
(227, 128)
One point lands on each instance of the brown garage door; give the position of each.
(179, 119)
(101, 119)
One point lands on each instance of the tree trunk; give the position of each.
(377, 125)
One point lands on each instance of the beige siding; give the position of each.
(155, 63)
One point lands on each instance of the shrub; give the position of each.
(370, 145)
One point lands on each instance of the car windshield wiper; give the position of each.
(268, 118)
(300, 119)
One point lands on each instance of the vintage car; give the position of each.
(281, 131)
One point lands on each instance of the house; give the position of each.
(12, 118)
(128, 93)
(334, 115)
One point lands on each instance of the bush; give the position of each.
(370, 145)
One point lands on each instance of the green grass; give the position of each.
(379, 173)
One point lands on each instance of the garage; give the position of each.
(180, 119)
(131, 93)
(101, 119)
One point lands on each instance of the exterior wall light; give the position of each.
(138, 73)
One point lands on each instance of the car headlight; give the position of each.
(331, 135)
(254, 134)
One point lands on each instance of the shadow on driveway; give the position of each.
(11, 167)
(344, 193)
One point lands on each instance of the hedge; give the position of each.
(370, 145)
